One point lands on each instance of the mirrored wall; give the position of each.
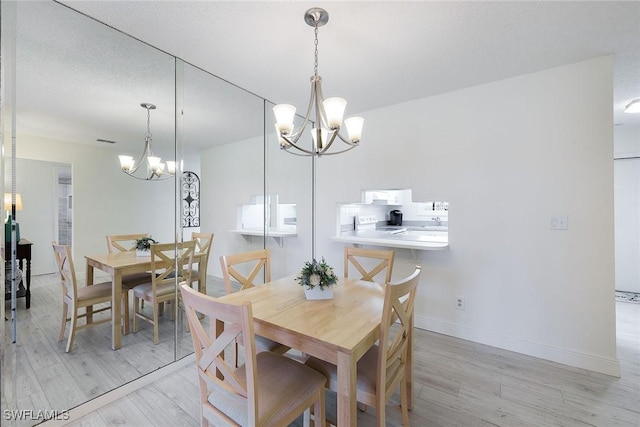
(71, 103)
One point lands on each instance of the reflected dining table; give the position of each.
(338, 330)
(121, 264)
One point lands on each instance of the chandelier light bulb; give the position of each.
(284, 118)
(319, 145)
(171, 167)
(126, 163)
(354, 128)
(334, 109)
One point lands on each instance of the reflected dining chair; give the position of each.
(74, 297)
(257, 261)
(359, 256)
(384, 365)
(127, 243)
(203, 245)
(267, 390)
(171, 263)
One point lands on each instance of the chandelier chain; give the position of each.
(148, 134)
(315, 63)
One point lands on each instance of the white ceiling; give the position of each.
(373, 54)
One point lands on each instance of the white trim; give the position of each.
(93, 405)
(591, 362)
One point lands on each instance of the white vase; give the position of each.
(318, 293)
(143, 252)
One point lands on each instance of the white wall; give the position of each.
(36, 181)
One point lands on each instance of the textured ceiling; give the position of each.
(373, 54)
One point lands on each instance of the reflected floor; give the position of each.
(37, 373)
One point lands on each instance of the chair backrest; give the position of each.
(123, 242)
(399, 298)
(203, 245)
(67, 271)
(226, 322)
(169, 260)
(256, 260)
(203, 242)
(359, 256)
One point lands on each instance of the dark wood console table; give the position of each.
(23, 256)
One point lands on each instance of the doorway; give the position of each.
(64, 205)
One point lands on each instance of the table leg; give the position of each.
(346, 395)
(116, 315)
(89, 282)
(27, 295)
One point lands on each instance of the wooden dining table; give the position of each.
(338, 330)
(121, 264)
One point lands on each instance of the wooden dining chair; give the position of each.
(359, 256)
(256, 262)
(127, 243)
(267, 390)
(74, 297)
(384, 366)
(203, 245)
(171, 263)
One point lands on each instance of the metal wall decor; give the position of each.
(190, 199)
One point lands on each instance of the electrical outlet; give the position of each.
(460, 303)
(560, 222)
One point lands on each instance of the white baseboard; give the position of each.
(604, 365)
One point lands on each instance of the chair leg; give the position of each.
(63, 326)
(319, 416)
(72, 328)
(125, 311)
(136, 312)
(156, 308)
(172, 313)
(404, 401)
(306, 418)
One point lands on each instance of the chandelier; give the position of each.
(155, 168)
(328, 112)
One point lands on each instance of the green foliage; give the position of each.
(325, 275)
(144, 244)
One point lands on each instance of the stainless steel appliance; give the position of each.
(395, 217)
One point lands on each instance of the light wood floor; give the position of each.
(458, 383)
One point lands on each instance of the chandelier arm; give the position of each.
(346, 141)
(339, 152)
(150, 178)
(321, 114)
(299, 154)
(145, 154)
(293, 138)
(296, 146)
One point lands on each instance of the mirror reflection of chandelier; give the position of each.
(328, 112)
(155, 168)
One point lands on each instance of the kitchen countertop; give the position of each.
(420, 238)
(272, 232)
